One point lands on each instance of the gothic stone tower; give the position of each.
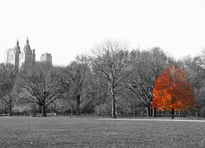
(17, 54)
(12, 55)
(27, 55)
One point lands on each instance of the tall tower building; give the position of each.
(46, 58)
(17, 57)
(27, 55)
(12, 55)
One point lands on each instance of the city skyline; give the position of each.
(69, 28)
(25, 55)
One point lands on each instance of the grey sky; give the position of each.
(66, 28)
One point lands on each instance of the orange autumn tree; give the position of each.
(172, 91)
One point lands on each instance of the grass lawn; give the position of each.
(94, 132)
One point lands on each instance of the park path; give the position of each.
(153, 119)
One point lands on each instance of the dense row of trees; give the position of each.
(114, 80)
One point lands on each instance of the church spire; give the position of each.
(17, 48)
(27, 41)
(17, 42)
(27, 46)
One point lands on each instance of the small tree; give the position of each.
(172, 91)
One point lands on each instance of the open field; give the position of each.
(99, 132)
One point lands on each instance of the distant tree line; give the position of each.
(113, 81)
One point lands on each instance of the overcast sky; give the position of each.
(66, 28)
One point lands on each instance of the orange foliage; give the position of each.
(172, 91)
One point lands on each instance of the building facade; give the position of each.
(46, 58)
(17, 57)
(27, 55)
(12, 55)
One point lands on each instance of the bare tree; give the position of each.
(39, 85)
(8, 74)
(65, 82)
(73, 79)
(110, 61)
(195, 71)
(147, 66)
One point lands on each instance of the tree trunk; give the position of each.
(10, 107)
(113, 108)
(172, 113)
(43, 111)
(78, 105)
(155, 112)
(148, 111)
(151, 112)
(71, 110)
(113, 103)
(185, 113)
(198, 113)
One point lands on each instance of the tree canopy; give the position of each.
(172, 91)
